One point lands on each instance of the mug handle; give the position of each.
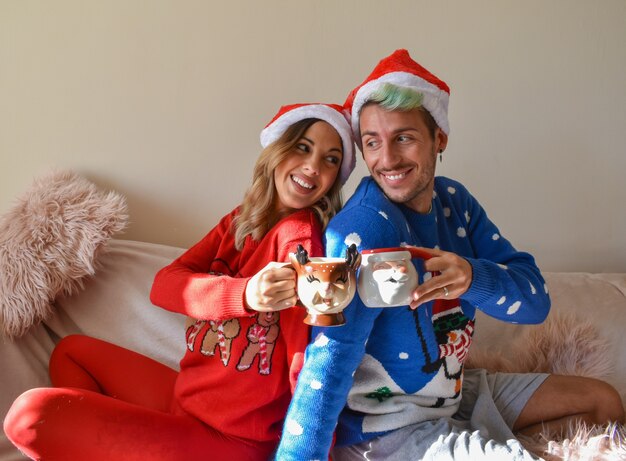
(419, 253)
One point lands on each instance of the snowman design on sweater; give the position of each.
(453, 331)
(385, 396)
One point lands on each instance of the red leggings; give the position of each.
(113, 404)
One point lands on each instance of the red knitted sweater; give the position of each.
(235, 374)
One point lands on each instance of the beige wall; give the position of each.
(163, 101)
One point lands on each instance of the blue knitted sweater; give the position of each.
(387, 368)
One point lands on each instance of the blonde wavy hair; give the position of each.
(258, 212)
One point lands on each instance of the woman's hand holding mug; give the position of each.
(273, 288)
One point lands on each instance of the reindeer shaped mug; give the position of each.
(387, 277)
(325, 286)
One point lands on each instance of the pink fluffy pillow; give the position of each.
(49, 242)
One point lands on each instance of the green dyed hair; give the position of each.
(393, 97)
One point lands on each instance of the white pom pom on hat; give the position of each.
(401, 70)
(334, 114)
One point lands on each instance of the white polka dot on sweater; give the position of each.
(533, 290)
(451, 190)
(503, 266)
(514, 307)
(434, 194)
(383, 214)
(461, 232)
(316, 385)
(321, 340)
(446, 212)
(352, 238)
(495, 236)
(467, 216)
(501, 301)
(545, 288)
(403, 355)
(293, 427)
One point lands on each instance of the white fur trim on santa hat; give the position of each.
(435, 99)
(338, 120)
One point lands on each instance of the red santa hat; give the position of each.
(399, 69)
(333, 114)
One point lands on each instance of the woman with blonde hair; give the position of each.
(244, 344)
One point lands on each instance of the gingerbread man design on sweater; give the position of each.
(262, 337)
(218, 334)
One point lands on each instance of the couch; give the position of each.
(114, 305)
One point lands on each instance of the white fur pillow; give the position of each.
(49, 242)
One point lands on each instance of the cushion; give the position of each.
(49, 242)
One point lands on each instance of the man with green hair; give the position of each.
(391, 383)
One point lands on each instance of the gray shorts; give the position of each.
(480, 430)
(509, 391)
